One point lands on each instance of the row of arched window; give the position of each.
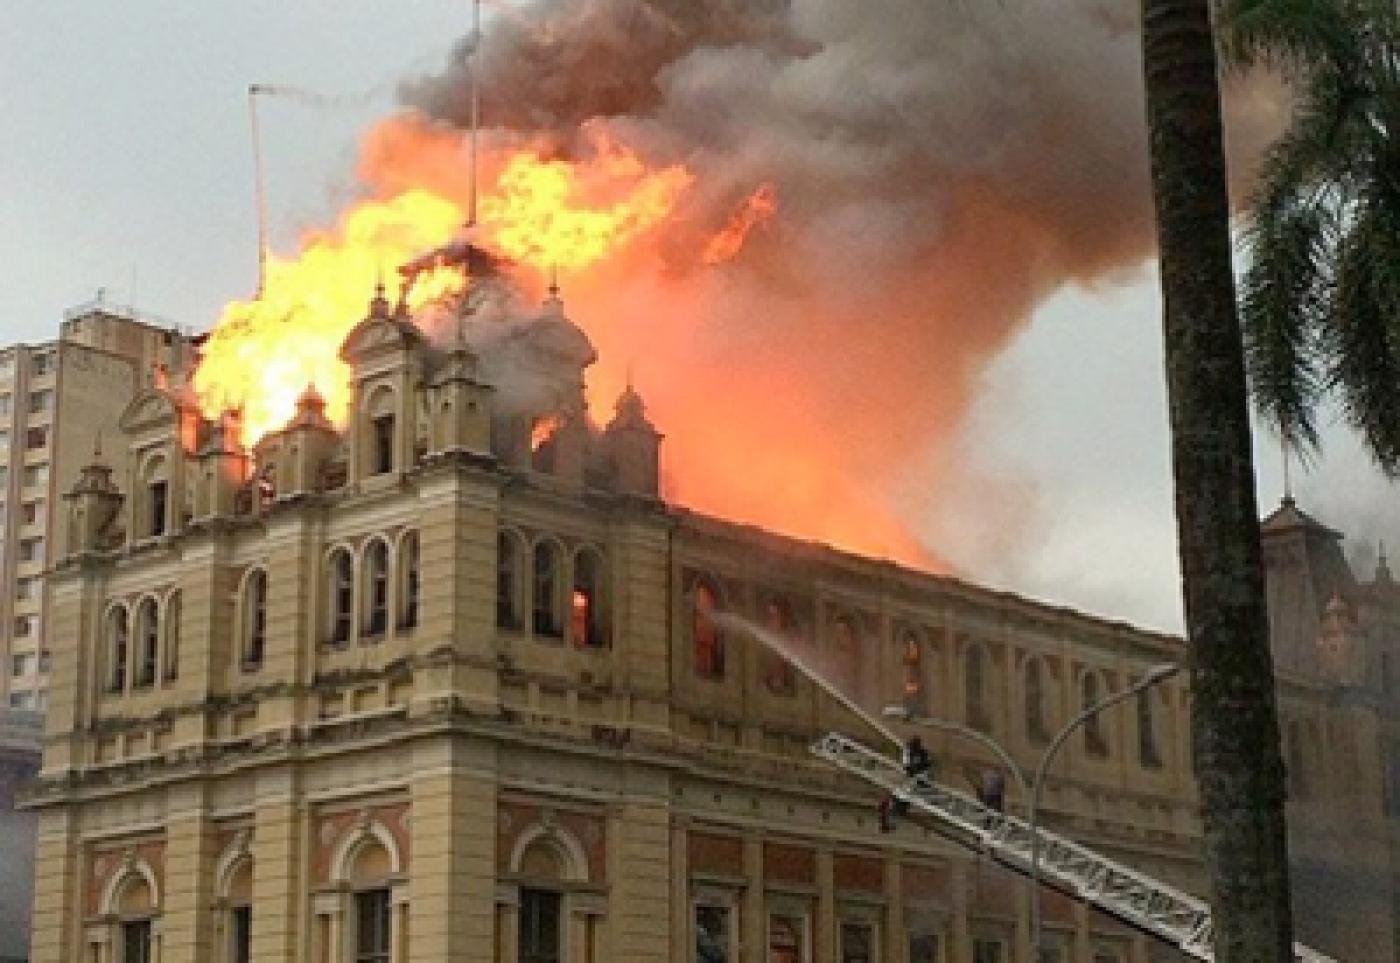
(555, 592)
(373, 592)
(142, 643)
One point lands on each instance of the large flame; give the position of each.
(546, 213)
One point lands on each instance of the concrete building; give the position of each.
(20, 733)
(443, 685)
(56, 400)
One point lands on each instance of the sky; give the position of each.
(127, 168)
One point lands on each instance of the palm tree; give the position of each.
(1238, 766)
(1321, 295)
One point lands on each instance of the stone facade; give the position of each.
(444, 685)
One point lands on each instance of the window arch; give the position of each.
(1149, 747)
(587, 605)
(148, 636)
(975, 693)
(253, 619)
(911, 656)
(778, 675)
(340, 596)
(410, 580)
(376, 589)
(545, 593)
(1037, 719)
(508, 557)
(1091, 690)
(170, 669)
(707, 641)
(118, 647)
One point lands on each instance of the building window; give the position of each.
(915, 689)
(20, 664)
(376, 589)
(241, 935)
(22, 700)
(31, 512)
(4, 406)
(786, 939)
(372, 926)
(148, 627)
(778, 675)
(975, 688)
(845, 644)
(546, 590)
(539, 926)
(24, 588)
(383, 431)
(156, 499)
(31, 550)
(4, 439)
(42, 364)
(409, 580)
(713, 938)
(706, 638)
(857, 942)
(172, 637)
(923, 946)
(254, 619)
(341, 596)
(507, 581)
(118, 644)
(1149, 753)
(1037, 730)
(36, 475)
(1095, 741)
(988, 951)
(40, 401)
(586, 617)
(36, 438)
(44, 660)
(25, 626)
(136, 941)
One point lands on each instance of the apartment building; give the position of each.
(58, 399)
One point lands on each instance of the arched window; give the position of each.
(706, 638)
(118, 647)
(340, 596)
(382, 429)
(778, 675)
(587, 618)
(254, 619)
(171, 669)
(915, 687)
(1095, 741)
(547, 621)
(409, 581)
(376, 589)
(148, 632)
(1149, 752)
(1037, 727)
(155, 495)
(979, 715)
(507, 581)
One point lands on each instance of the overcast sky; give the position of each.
(127, 167)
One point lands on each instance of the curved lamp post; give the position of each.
(1153, 676)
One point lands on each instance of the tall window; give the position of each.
(988, 951)
(785, 940)
(546, 590)
(172, 638)
(148, 625)
(915, 690)
(376, 589)
(254, 619)
(585, 612)
(539, 926)
(507, 581)
(157, 498)
(1037, 730)
(409, 581)
(975, 688)
(778, 674)
(372, 926)
(1149, 753)
(857, 942)
(341, 596)
(136, 941)
(846, 653)
(712, 934)
(383, 432)
(241, 934)
(118, 644)
(1095, 741)
(706, 637)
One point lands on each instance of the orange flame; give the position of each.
(755, 209)
(547, 214)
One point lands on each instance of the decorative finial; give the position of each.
(97, 447)
(554, 282)
(379, 304)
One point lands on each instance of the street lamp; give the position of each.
(1155, 675)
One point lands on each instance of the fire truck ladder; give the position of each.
(1132, 896)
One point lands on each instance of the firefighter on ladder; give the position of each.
(917, 765)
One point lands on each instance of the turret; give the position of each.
(459, 404)
(386, 355)
(633, 447)
(223, 468)
(304, 446)
(94, 504)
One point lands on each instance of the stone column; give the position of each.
(893, 943)
(187, 921)
(639, 854)
(753, 923)
(680, 894)
(825, 931)
(278, 887)
(960, 930)
(56, 935)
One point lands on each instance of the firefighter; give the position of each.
(917, 765)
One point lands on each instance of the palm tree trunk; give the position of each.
(1238, 765)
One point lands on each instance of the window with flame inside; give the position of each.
(915, 694)
(706, 638)
(587, 627)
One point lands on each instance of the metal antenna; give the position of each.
(475, 109)
(259, 191)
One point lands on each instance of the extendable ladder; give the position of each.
(1132, 896)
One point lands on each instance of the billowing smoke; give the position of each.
(939, 168)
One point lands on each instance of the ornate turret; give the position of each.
(459, 403)
(94, 504)
(296, 456)
(223, 467)
(633, 446)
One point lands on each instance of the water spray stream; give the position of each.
(784, 648)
